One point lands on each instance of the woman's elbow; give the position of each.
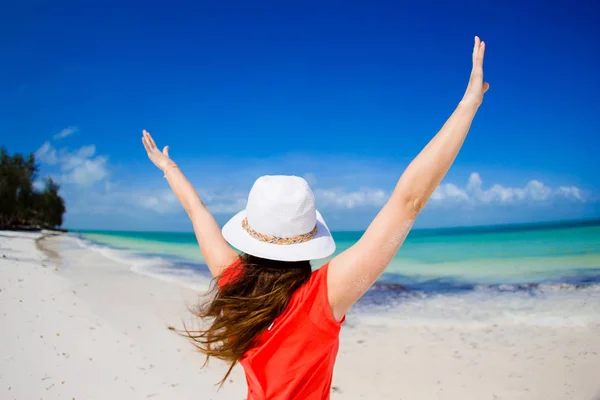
(413, 204)
(412, 198)
(418, 204)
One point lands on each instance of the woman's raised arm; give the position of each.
(351, 273)
(216, 251)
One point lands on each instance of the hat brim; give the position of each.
(321, 246)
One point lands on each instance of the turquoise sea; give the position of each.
(509, 257)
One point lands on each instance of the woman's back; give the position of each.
(294, 358)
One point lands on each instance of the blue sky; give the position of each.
(344, 93)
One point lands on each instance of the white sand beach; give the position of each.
(78, 325)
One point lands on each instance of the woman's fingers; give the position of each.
(476, 88)
(475, 50)
(150, 140)
(146, 145)
(480, 55)
(147, 138)
(166, 151)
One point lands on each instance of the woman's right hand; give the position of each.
(476, 87)
(160, 159)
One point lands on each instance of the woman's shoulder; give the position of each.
(317, 279)
(315, 300)
(314, 289)
(230, 272)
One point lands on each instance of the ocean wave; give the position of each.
(574, 280)
(539, 287)
(545, 305)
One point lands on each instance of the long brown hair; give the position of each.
(255, 292)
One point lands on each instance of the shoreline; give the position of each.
(92, 328)
(30, 228)
(51, 254)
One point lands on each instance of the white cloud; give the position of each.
(474, 193)
(338, 198)
(231, 201)
(65, 132)
(47, 154)
(449, 193)
(86, 172)
(571, 192)
(225, 201)
(227, 208)
(162, 202)
(165, 201)
(80, 167)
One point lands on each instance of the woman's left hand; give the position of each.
(476, 87)
(160, 159)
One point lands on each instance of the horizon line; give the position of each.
(483, 227)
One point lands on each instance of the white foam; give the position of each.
(555, 307)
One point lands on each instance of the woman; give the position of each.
(270, 312)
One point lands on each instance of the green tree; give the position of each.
(20, 203)
(52, 206)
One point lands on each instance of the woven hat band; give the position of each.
(276, 239)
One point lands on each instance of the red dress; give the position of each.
(294, 359)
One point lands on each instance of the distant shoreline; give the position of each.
(30, 228)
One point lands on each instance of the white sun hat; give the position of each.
(280, 222)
